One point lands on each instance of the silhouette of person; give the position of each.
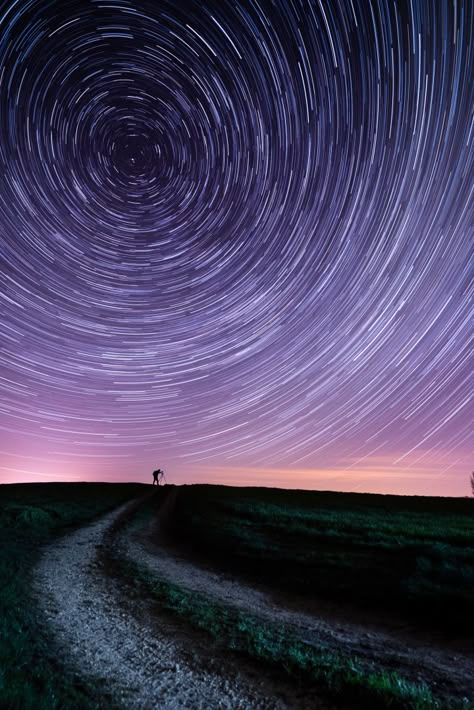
(157, 476)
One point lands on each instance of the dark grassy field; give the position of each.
(413, 556)
(30, 516)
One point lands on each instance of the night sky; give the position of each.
(236, 242)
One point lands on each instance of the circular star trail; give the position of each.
(235, 232)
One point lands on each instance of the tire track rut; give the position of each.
(448, 669)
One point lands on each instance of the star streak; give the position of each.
(236, 233)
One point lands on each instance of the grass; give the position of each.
(31, 515)
(413, 556)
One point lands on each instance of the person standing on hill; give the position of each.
(158, 476)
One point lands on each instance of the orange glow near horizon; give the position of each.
(378, 474)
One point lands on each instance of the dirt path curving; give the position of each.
(139, 665)
(447, 667)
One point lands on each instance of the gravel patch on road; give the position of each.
(96, 638)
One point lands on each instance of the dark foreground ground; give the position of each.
(407, 559)
(409, 555)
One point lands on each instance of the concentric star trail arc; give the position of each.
(237, 234)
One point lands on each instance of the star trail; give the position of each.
(236, 242)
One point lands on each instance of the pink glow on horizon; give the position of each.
(378, 474)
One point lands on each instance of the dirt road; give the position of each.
(138, 663)
(447, 665)
(145, 662)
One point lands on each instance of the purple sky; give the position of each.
(236, 242)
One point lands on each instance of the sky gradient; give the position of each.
(236, 242)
